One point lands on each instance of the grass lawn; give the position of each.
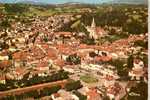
(88, 79)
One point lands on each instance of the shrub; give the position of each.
(81, 97)
(142, 89)
(15, 8)
(73, 85)
(93, 54)
(88, 41)
(12, 84)
(141, 43)
(73, 59)
(119, 64)
(130, 61)
(49, 91)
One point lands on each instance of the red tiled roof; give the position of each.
(64, 33)
(5, 63)
(93, 94)
(51, 53)
(20, 71)
(36, 53)
(83, 46)
(65, 49)
(4, 53)
(19, 56)
(56, 95)
(102, 58)
(108, 77)
(45, 46)
(114, 89)
(42, 64)
(136, 61)
(2, 77)
(100, 30)
(59, 62)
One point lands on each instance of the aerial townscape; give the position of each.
(73, 51)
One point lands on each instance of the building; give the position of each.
(64, 95)
(138, 70)
(95, 32)
(114, 91)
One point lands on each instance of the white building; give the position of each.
(137, 71)
(95, 32)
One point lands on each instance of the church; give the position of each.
(95, 32)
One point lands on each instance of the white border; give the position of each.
(148, 50)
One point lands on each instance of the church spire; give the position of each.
(93, 25)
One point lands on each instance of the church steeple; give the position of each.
(93, 25)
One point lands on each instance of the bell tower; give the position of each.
(93, 25)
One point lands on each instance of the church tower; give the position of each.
(93, 25)
(94, 31)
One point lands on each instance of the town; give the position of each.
(74, 55)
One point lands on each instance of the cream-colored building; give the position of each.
(137, 71)
(95, 32)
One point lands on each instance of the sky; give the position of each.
(59, 1)
(82, 1)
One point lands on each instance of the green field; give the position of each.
(88, 79)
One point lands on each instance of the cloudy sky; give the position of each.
(83, 1)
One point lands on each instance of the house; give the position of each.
(64, 95)
(63, 34)
(84, 90)
(20, 55)
(2, 79)
(138, 70)
(69, 69)
(4, 57)
(102, 58)
(93, 94)
(42, 66)
(5, 64)
(113, 91)
(60, 63)
(19, 72)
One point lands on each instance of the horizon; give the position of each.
(79, 1)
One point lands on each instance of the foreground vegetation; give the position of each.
(26, 81)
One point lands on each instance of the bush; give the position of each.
(34, 94)
(5, 24)
(3, 87)
(142, 89)
(49, 91)
(130, 61)
(141, 43)
(73, 85)
(73, 59)
(113, 38)
(119, 64)
(81, 97)
(15, 8)
(93, 54)
(88, 41)
(12, 84)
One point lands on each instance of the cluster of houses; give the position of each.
(40, 49)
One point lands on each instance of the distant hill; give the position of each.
(75, 5)
(34, 2)
(75, 2)
(131, 1)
